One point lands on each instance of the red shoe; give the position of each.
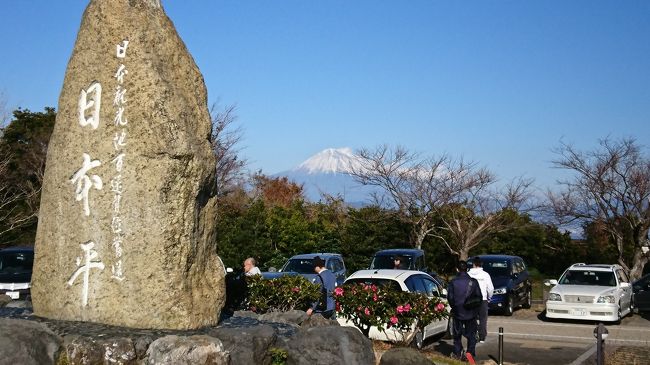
(470, 358)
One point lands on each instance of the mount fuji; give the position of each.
(328, 172)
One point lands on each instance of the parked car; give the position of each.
(411, 259)
(590, 292)
(303, 265)
(512, 284)
(16, 272)
(404, 280)
(641, 289)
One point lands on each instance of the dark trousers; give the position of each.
(482, 320)
(467, 329)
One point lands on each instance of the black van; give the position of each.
(512, 285)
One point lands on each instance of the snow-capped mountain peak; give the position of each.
(331, 160)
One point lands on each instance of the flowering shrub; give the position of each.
(369, 306)
(280, 294)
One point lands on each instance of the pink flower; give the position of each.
(374, 297)
(393, 320)
(407, 308)
(440, 307)
(374, 288)
(295, 289)
(338, 291)
(367, 311)
(400, 309)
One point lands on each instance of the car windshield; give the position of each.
(388, 262)
(388, 284)
(497, 268)
(586, 277)
(301, 266)
(16, 262)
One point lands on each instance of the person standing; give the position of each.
(325, 305)
(464, 320)
(485, 282)
(250, 267)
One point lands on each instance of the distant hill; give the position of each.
(328, 172)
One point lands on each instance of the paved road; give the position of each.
(529, 338)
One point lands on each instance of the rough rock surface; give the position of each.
(403, 356)
(125, 234)
(190, 350)
(27, 342)
(239, 339)
(329, 345)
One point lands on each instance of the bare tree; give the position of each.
(226, 140)
(611, 187)
(449, 199)
(18, 203)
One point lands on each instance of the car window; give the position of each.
(386, 262)
(330, 265)
(588, 277)
(16, 262)
(419, 263)
(301, 266)
(431, 287)
(497, 268)
(417, 285)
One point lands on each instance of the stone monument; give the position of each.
(125, 233)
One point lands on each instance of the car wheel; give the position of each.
(529, 299)
(510, 306)
(418, 340)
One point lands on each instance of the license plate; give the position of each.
(579, 312)
(13, 294)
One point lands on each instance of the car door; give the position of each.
(519, 279)
(625, 293)
(432, 290)
(642, 293)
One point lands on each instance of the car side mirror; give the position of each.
(515, 275)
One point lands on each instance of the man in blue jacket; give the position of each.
(325, 305)
(464, 320)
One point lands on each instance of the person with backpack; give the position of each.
(325, 305)
(464, 296)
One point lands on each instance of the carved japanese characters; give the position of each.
(126, 225)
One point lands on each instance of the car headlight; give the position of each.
(500, 291)
(606, 299)
(554, 297)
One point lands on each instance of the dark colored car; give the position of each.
(410, 259)
(641, 289)
(303, 265)
(512, 285)
(16, 272)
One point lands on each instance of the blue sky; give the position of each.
(498, 82)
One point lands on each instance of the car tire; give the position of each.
(510, 306)
(418, 340)
(529, 299)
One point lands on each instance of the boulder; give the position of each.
(247, 345)
(27, 342)
(126, 224)
(293, 317)
(190, 350)
(96, 350)
(403, 356)
(4, 300)
(328, 345)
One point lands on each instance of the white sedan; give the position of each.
(405, 280)
(590, 292)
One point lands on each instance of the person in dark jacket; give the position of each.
(326, 279)
(464, 320)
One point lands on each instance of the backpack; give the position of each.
(322, 302)
(472, 299)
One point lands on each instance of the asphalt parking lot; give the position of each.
(530, 338)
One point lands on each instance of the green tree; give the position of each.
(23, 151)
